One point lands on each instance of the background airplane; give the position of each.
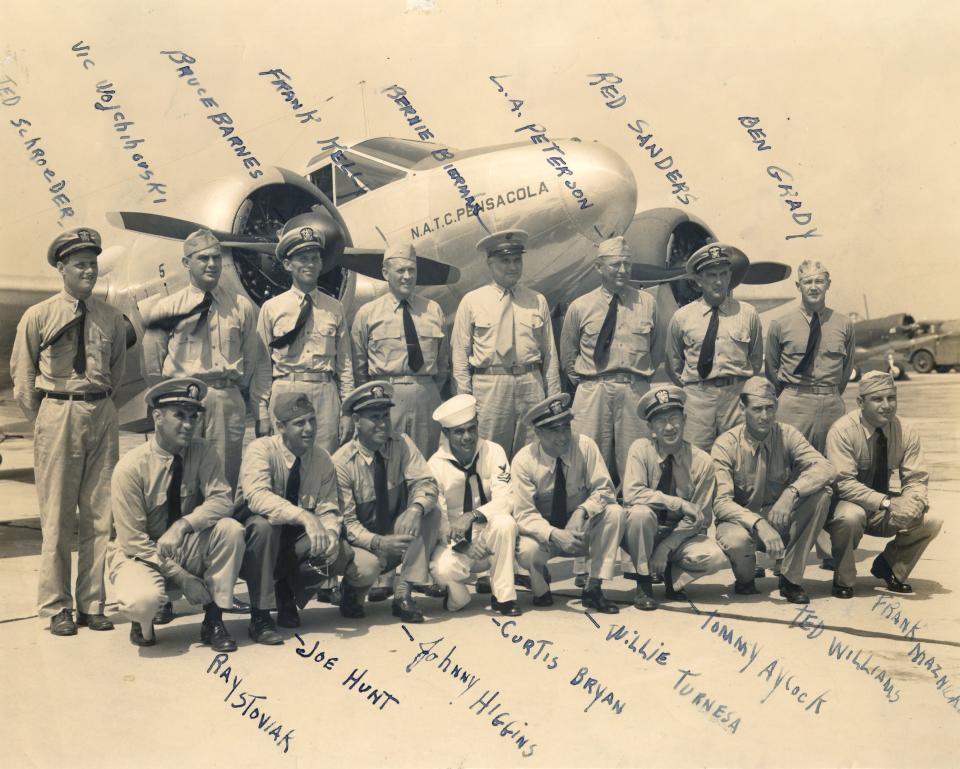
(384, 190)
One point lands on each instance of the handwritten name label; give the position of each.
(532, 649)
(538, 135)
(222, 120)
(719, 714)
(249, 705)
(774, 672)
(784, 177)
(341, 161)
(808, 621)
(580, 678)
(106, 93)
(356, 680)
(490, 704)
(281, 81)
(608, 85)
(399, 96)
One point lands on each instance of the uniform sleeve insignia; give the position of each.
(504, 474)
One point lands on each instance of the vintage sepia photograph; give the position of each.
(479, 383)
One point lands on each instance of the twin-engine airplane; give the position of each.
(385, 190)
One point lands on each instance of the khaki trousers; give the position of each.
(414, 564)
(798, 537)
(75, 448)
(811, 413)
(607, 412)
(502, 402)
(710, 411)
(214, 554)
(224, 422)
(453, 569)
(849, 522)
(414, 401)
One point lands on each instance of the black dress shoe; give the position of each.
(483, 585)
(841, 591)
(656, 579)
(136, 636)
(580, 581)
(793, 593)
(759, 573)
(596, 600)
(215, 635)
(543, 600)
(350, 605)
(432, 590)
(331, 595)
(643, 600)
(62, 623)
(287, 615)
(263, 631)
(406, 609)
(523, 580)
(94, 621)
(164, 615)
(881, 570)
(378, 594)
(669, 593)
(746, 588)
(506, 608)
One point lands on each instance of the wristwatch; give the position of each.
(885, 504)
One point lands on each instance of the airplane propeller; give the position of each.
(757, 274)
(364, 261)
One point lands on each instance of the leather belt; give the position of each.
(813, 389)
(87, 397)
(220, 384)
(405, 378)
(620, 377)
(720, 381)
(308, 376)
(514, 370)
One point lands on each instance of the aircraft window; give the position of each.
(400, 152)
(370, 172)
(347, 188)
(322, 178)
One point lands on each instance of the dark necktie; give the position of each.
(558, 507)
(709, 346)
(470, 471)
(601, 353)
(174, 511)
(172, 321)
(666, 485)
(805, 366)
(414, 352)
(79, 322)
(881, 471)
(285, 340)
(292, 492)
(384, 521)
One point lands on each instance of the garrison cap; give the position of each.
(810, 267)
(370, 395)
(287, 406)
(661, 399)
(457, 411)
(874, 381)
(550, 411)
(183, 391)
(198, 241)
(719, 253)
(760, 387)
(72, 241)
(403, 251)
(504, 242)
(300, 239)
(616, 246)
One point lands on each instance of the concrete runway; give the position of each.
(723, 681)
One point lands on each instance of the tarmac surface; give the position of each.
(721, 681)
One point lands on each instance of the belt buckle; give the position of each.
(516, 370)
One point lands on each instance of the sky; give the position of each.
(856, 102)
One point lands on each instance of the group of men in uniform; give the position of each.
(360, 469)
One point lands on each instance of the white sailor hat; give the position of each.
(457, 411)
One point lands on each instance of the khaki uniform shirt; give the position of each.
(139, 497)
(787, 342)
(51, 368)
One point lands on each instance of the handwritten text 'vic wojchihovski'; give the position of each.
(538, 135)
(249, 706)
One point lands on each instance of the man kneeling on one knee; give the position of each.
(668, 489)
(564, 503)
(772, 492)
(289, 499)
(475, 494)
(172, 510)
(867, 445)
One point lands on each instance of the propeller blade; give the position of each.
(270, 249)
(761, 273)
(652, 272)
(369, 262)
(163, 226)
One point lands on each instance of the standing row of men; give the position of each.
(206, 345)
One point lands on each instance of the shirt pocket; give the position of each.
(185, 346)
(484, 333)
(99, 347)
(58, 357)
(639, 341)
(322, 339)
(736, 341)
(530, 329)
(387, 350)
(431, 337)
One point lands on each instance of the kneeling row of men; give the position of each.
(301, 516)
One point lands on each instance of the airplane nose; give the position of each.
(609, 199)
